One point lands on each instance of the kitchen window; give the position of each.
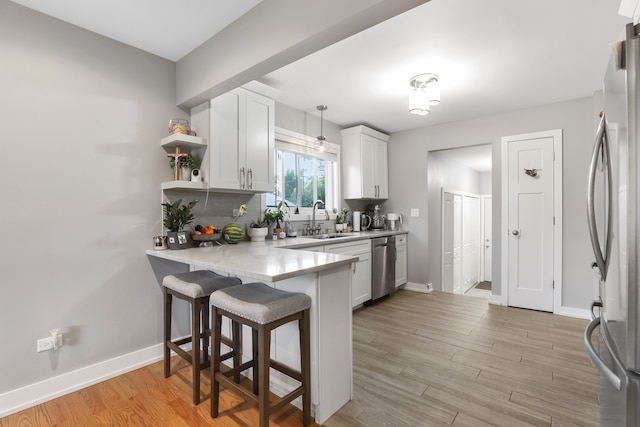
(304, 174)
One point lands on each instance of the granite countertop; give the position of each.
(269, 261)
(302, 242)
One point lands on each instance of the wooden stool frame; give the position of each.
(199, 311)
(261, 362)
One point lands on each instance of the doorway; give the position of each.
(459, 172)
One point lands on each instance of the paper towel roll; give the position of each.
(356, 221)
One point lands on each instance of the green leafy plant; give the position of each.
(275, 215)
(188, 162)
(259, 223)
(177, 215)
(343, 216)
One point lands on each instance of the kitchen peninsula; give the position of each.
(325, 277)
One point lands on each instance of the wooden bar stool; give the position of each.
(196, 287)
(263, 308)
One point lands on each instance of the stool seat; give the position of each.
(198, 284)
(259, 303)
(263, 309)
(195, 288)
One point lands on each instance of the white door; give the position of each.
(447, 242)
(530, 228)
(486, 232)
(457, 244)
(470, 241)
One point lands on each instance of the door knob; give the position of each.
(515, 232)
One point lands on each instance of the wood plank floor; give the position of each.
(440, 359)
(419, 360)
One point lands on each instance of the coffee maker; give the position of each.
(394, 221)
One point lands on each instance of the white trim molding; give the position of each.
(33, 394)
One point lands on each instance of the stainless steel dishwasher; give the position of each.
(383, 266)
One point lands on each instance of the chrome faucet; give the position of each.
(313, 216)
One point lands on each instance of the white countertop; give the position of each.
(270, 260)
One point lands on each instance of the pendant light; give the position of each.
(321, 142)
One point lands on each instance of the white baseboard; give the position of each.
(579, 313)
(495, 299)
(33, 394)
(416, 287)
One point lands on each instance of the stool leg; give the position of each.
(264, 347)
(256, 367)
(195, 348)
(204, 303)
(167, 332)
(304, 325)
(216, 333)
(236, 337)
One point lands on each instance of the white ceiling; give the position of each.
(167, 28)
(492, 56)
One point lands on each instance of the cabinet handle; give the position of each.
(250, 179)
(242, 178)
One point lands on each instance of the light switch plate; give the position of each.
(415, 212)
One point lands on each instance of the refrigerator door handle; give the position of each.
(601, 146)
(593, 306)
(595, 357)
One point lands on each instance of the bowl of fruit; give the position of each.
(205, 235)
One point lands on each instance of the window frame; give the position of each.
(291, 141)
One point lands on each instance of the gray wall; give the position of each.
(82, 117)
(408, 164)
(307, 122)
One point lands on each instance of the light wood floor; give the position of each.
(419, 360)
(440, 359)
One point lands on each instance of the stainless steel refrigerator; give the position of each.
(613, 207)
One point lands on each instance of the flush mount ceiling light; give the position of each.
(321, 142)
(425, 92)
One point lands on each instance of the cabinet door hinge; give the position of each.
(553, 284)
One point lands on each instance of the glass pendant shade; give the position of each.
(418, 102)
(433, 93)
(321, 141)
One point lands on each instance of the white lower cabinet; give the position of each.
(401, 259)
(361, 280)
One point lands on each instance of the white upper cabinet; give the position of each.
(242, 146)
(364, 163)
(630, 9)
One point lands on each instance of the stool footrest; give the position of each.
(287, 370)
(279, 403)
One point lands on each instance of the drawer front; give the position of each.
(349, 248)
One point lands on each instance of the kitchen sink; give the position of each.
(331, 236)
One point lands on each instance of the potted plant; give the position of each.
(274, 216)
(342, 220)
(258, 230)
(176, 217)
(187, 164)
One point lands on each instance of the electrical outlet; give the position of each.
(45, 344)
(415, 212)
(53, 342)
(236, 212)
